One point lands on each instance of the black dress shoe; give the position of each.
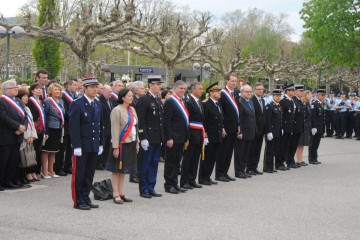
(303, 164)
(292, 165)
(313, 162)
(11, 185)
(250, 172)
(241, 175)
(82, 207)
(268, 171)
(2, 189)
(274, 171)
(213, 182)
(25, 181)
(68, 171)
(182, 190)
(195, 185)
(155, 194)
(317, 162)
(134, 180)
(61, 173)
(228, 177)
(171, 190)
(281, 168)
(145, 195)
(222, 179)
(91, 205)
(206, 183)
(257, 172)
(186, 186)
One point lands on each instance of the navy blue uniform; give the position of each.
(318, 122)
(86, 132)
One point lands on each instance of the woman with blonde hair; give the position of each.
(305, 136)
(54, 112)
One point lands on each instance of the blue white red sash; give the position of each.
(182, 108)
(40, 110)
(58, 109)
(199, 126)
(68, 96)
(231, 99)
(14, 105)
(115, 96)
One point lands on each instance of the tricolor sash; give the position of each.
(199, 126)
(115, 96)
(68, 97)
(232, 101)
(58, 109)
(13, 104)
(40, 110)
(126, 132)
(181, 108)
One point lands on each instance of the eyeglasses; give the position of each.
(13, 87)
(258, 89)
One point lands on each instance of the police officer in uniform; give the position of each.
(150, 114)
(288, 111)
(86, 134)
(330, 114)
(317, 124)
(342, 106)
(272, 131)
(213, 124)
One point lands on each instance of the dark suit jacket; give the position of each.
(150, 114)
(231, 119)
(213, 121)
(299, 116)
(259, 115)
(174, 124)
(287, 108)
(86, 125)
(106, 114)
(247, 120)
(67, 104)
(195, 114)
(10, 121)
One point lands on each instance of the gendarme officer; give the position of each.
(86, 133)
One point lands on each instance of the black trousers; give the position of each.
(351, 124)
(294, 142)
(241, 154)
(9, 162)
(341, 123)
(105, 154)
(285, 142)
(357, 123)
(63, 158)
(314, 145)
(224, 160)
(272, 151)
(255, 152)
(330, 118)
(82, 177)
(172, 164)
(212, 152)
(190, 163)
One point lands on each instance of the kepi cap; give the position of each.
(213, 87)
(320, 91)
(154, 79)
(277, 92)
(89, 80)
(299, 87)
(289, 87)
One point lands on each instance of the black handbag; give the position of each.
(102, 190)
(27, 156)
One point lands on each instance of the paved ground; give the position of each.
(314, 202)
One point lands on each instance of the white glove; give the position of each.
(77, 152)
(313, 131)
(269, 136)
(282, 131)
(101, 149)
(206, 141)
(144, 144)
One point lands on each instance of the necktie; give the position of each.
(199, 105)
(248, 102)
(108, 102)
(217, 105)
(43, 93)
(260, 102)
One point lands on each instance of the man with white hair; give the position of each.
(116, 87)
(13, 122)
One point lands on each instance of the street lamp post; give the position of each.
(16, 32)
(198, 66)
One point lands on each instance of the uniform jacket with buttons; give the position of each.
(318, 116)
(213, 121)
(288, 110)
(298, 116)
(273, 119)
(86, 125)
(150, 113)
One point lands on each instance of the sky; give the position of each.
(218, 8)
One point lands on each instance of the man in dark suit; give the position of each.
(298, 126)
(176, 123)
(63, 165)
(196, 137)
(259, 107)
(247, 133)
(13, 122)
(42, 78)
(317, 124)
(150, 114)
(108, 103)
(288, 110)
(86, 133)
(228, 103)
(213, 124)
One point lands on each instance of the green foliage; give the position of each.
(333, 27)
(47, 52)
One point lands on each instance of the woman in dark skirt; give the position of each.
(125, 144)
(305, 136)
(54, 112)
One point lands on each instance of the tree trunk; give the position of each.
(83, 67)
(170, 75)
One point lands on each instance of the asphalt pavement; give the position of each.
(313, 202)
